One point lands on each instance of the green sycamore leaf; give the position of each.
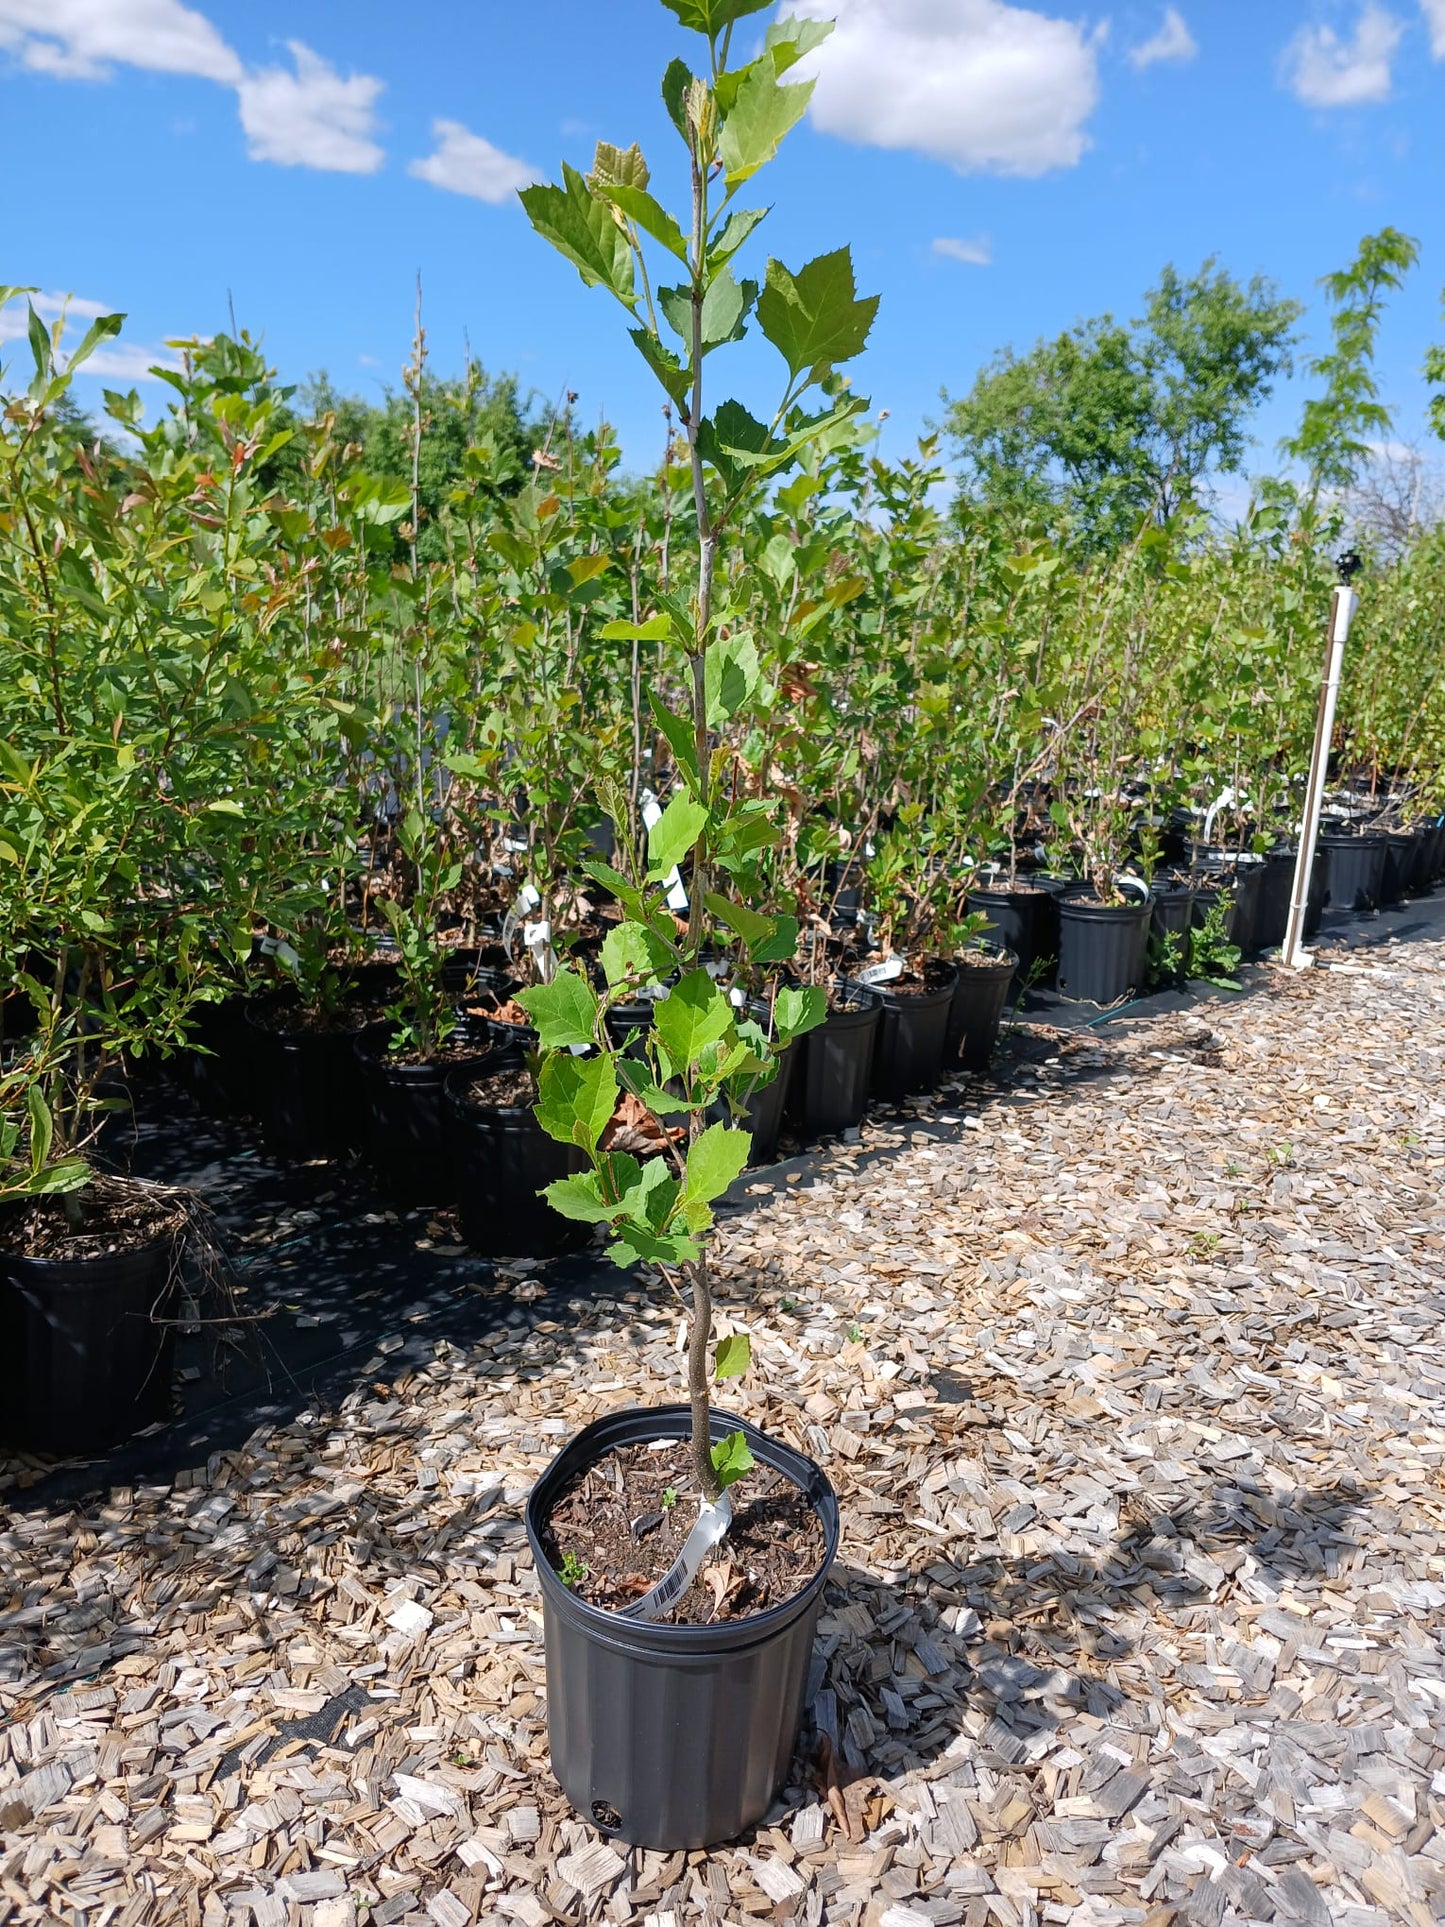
(679, 732)
(579, 224)
(781, 945)
(732, 673)
(614, 166)
(744, 831)
(674, 834)
(648, 213)
(788, 40)
(731, 1459)
(732, 1356)
(814, 318)
(734, 231)
(736, 444)
(711, 16)
(564, 1011)
(655, 629)
(657, 1248)
(664, 363)
(633, 954)
(636, 1076)
(576, 1097)
(725, 308)
(693, 1014)
(675, 85)
(799, 1010)
(579, 1197)
(714, 1161)
(748, 924)
(763, 112)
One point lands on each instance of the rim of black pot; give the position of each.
(592, 1443)
(285, 998)
(459, 1080)
(997, 954)
(380, 1030)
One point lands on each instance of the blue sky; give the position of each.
(998, 169)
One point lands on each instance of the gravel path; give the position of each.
(1131, 1379)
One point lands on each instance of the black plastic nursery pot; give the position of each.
(1354, 871)
(406, 1122)
(912, 1035)
(765, 1108)
(220, 1069)
(1102, 947)
(1397, 875)
(664, 1736)
(980, 997)
(831, 1084)
(1172, 915)
(86, 1347)
(1024, 919)
(307, 1081)
(501, 1158)
(1248, 881)
(1271, 909)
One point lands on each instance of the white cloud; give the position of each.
(1324, 69)
(80, 39)
(986, 86)
(1173, 41)
(1434, 12)
(977, 253)
(312, 118)
(466, 163)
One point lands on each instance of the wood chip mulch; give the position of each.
(1131, 1379)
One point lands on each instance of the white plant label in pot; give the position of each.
(883, 973)
(712, 1522)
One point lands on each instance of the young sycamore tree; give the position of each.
(675, 275)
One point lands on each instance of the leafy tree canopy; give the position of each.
(460, 413)
(1112, 422)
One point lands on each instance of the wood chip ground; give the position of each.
(1131, 1379)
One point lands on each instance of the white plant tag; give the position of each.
(712, 1522)
(883, 973)
(528, 897)
(737, 998)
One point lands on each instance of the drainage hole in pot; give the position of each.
(607, 1817)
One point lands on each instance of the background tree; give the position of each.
(1330, 440)
(1110, 423)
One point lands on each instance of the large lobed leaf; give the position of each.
(814, 318)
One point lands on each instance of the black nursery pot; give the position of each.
(86, 1347)
(980, 997)
(912, 1035)
(1354, 873)
(1401, 847)
(408, 1139)
(674, 1737)
(502, 1158)
(1248, 886)
(1102, 948)
(765, 1108)
(220, 1071)
(307, 1084)
(1024, 921)
(1171, 915)
(1271, 909)
(830, 1090)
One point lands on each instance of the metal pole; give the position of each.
(1342, 608)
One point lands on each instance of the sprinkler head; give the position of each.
(1349, 565)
